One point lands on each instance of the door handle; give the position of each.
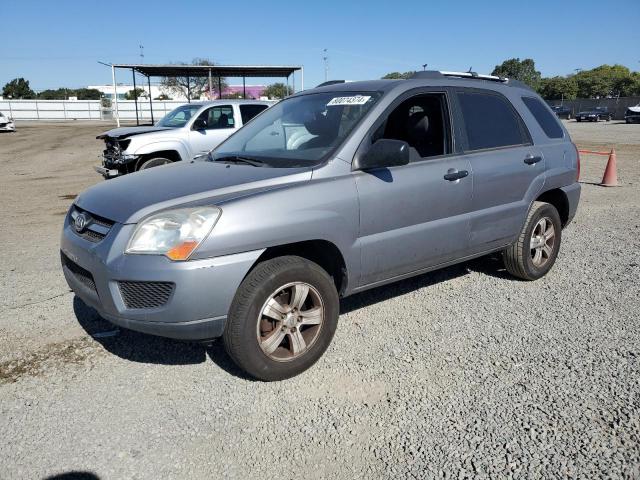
(531, 159)
(453, 174)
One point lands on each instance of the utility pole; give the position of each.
(141, 53)
(325, 58)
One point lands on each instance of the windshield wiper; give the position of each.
(254, 162)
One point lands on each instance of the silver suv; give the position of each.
(328, 193)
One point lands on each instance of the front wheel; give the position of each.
(282, 318)
(536, 249)
(154, 162)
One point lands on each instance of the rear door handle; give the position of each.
(453, 174)
(531, 159)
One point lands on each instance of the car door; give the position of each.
(219, 123)
(506, 166)
(415, 216)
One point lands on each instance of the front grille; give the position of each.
(96, 229)
(83, 276)
(145, 294)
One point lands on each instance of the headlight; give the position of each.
(174, 233)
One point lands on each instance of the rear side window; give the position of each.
(491, 121)
(544, 117)
(249, 111)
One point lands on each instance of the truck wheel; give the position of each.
(536, 249)
(153, 162)
(282, 318)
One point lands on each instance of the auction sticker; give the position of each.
(354, 100)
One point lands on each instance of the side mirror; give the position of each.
(199, 124)
(384, 153)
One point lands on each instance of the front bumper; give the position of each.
(108, 172)
(197, 307)
(8, 127)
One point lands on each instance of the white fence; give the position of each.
(84, 109)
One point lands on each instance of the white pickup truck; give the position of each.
(184, 133)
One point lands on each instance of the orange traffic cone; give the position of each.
(610, 177)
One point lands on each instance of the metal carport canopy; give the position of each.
(218, 71)
(215, 70)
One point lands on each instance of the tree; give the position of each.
(163, 96)
(523, 70)
(88, 94)
(18, 88)
(277, 90)
(135, 94)
(194, 87)
(604, 81)
(557, 88)
(398, 75)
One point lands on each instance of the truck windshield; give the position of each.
(299, 131)
(179, 117)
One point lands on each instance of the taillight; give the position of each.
(577, 163)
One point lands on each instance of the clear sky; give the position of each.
(55, 46)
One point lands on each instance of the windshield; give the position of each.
(299, 131)
(179, 117)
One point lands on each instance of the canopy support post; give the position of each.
(210, 86)
(188, 89)
(150, 99)
(244, 88)
(115, 94)
(301, 77)
(219, 88)
(135, 95)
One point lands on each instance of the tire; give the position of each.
(154, 162)
(578, 120)
(520, 258)
(251, 338)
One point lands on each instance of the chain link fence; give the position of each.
(617, 106)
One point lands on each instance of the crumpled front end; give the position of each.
(115, 160)
(7, 125)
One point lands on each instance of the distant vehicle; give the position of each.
(562, 111)
(332, 191)
(632, 115)
(184, 133)
(594, 115)
(7, 124)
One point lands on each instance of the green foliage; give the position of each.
(277, 90)
(87, 94)
(398, 75)
(65, 93)
(163, 96)
(604, 81)
(557, 88)
(523, 70)
(135, 93)
(18, 88)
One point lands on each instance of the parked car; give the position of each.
(330, 192)
(632, 115)
(184, 133)
(7, 124)
(594, 115)
(562, 111)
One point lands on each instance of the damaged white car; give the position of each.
(184, 133)
(7, 124)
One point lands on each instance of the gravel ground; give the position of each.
(464, 372)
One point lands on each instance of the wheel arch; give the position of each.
(559, 200)
(323, 252)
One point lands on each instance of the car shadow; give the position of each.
(143, 348)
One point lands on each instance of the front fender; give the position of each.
(179, 146)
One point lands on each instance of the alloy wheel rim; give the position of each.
(290, 321)
(543, 240)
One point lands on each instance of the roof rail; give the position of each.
(439, 74)
(330, 82)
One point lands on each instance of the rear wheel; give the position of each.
(282, 318)
(153, 162)
(536, 249)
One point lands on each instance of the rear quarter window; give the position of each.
(247, 112)
(547, 121)
(490, 121)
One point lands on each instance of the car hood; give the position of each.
(124, 132)
(129, 198)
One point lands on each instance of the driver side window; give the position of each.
(422, 122)
(217, 118)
